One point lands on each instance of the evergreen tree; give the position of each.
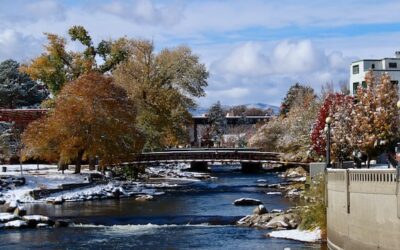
(292, 95)
(217, 121)
(17, 89)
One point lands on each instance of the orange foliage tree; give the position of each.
(92, 117)
(375, 116)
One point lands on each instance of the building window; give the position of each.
(364, 84)
(392, 65)
(394, 82)
(373, 66)
(355, 86)
(356, 69)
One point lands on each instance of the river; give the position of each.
(194, 216)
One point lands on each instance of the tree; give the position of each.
(298, 124)
(92, 117)
(164, 85)
(217, 121)
(339, 107)
(57, 66)
(269, 135)
(290, 134)
(17, 89)
(375, 116)
(290, 99)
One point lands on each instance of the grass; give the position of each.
(313, 214)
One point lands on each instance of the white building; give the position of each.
(358, 69)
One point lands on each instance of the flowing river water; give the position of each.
(195, 216)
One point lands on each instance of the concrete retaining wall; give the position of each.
(363, 209)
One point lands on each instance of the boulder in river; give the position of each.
(20, 211)
(146, 197)
(260, 209)
(247, 202)
(61, 223)
(5, 217)
(16, 224)
(11, 206)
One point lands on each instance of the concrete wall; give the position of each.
(317, 168)
(363, 209)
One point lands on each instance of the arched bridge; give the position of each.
(250, 159)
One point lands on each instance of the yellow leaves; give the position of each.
(91, 115)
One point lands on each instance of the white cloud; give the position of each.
(27, 12)
(15, 45)
(266, 72)
(144, 11)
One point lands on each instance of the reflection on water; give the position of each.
(196, 216)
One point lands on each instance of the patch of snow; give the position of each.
(276, 211)
(273, 193)
(242, 220)
(40, 218)
(296, 234)
(299, 179)
(16, 224)
(7, 217)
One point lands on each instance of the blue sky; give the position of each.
(253, 49)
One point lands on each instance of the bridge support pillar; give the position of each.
(251, 167)
(199, 166)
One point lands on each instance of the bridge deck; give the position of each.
(209, 155)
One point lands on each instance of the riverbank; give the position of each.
(44, 183)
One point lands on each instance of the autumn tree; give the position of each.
(339, 107)
(92, 117)
(375, 116)
(292, 95)
(18, 89)
(341, 127)
(164, 85)
(56, 66)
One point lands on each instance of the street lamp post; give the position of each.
(328, 121)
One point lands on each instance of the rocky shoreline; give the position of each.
(16, 218)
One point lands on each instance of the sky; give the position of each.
(254, 50)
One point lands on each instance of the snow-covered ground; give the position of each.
(296, 234)
(48, 177)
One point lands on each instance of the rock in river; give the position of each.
(247, 202)
(260, 209)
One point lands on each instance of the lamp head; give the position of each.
(328, 120)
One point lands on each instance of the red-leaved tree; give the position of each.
(338, 107)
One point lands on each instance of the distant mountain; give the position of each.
(202, 110)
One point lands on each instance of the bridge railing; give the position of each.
(209, 155)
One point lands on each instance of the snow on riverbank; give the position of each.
(47, 177)
(296, 234)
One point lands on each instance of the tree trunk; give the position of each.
(368, 161)
(60, 166)
(92, 164)
(78, 163)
